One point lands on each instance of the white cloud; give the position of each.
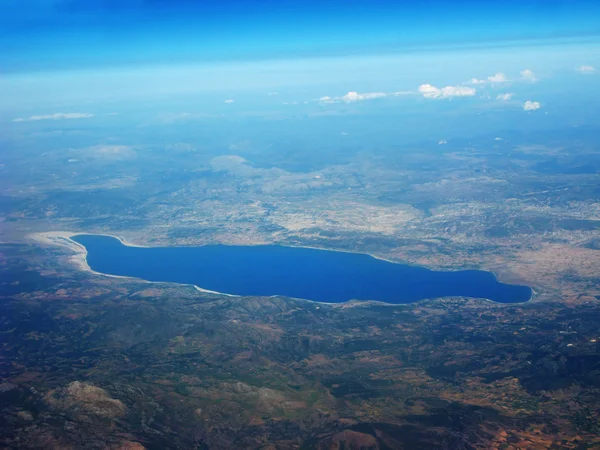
(57, 116)
(497, 78)
(528, 75)
(271, 94)
(586, 69)
(426, 90)
(429, 91)
(476, 81)
(504, 97)
(229, 101)
(457, 91)
(531, 106)
(498, 139)
(443, 142)
(355, 96)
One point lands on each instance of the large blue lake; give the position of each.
(320, 275)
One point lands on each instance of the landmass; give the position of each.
(97, 362)
(89, 361)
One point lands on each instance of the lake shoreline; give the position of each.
(63, 238)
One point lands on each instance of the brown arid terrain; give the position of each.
(95, 362)
(90, 361)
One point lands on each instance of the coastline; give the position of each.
(63, 238)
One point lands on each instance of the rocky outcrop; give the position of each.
(82, 400)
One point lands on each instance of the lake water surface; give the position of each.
(320, 275)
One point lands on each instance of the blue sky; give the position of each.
(83, 59)
(71, 34)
